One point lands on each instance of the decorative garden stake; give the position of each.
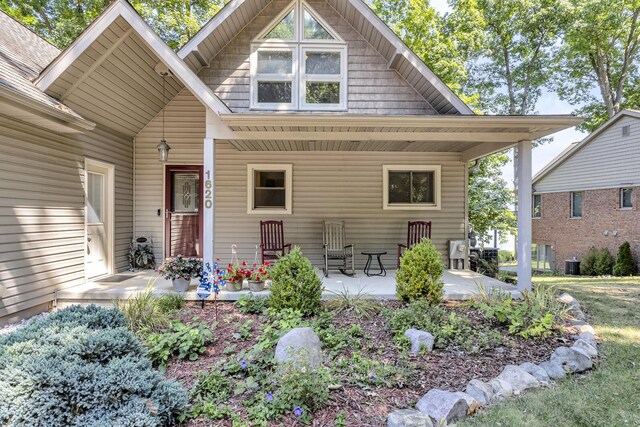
(207, 286)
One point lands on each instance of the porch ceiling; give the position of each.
(473, 136)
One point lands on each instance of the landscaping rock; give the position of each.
(443, 405)
(299, 345)
(480, 391)
(574, 359)
(501, 389)
(472, 403)
(586, 347)
(555, 370)
(408, 418)
(537, 372)
(419, 339)
(519, 379)
(587, 328)
(588, 337)
(569, 301)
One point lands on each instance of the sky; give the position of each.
(549, 103)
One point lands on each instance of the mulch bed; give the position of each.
(447, 369)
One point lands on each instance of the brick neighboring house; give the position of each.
(589, 195)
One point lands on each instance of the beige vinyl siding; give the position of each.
(184, 132)
(333, 185)
(42, 236)
(609, 160)
(372, 86)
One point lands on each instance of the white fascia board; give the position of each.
(151, 39)
(413, 59)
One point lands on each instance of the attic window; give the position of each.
(626, 130)
(298, 63)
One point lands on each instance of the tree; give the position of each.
(490, 198)
(61, 21)
(600, 55)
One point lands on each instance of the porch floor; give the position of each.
(458, 285)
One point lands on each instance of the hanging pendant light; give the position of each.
(163, 147)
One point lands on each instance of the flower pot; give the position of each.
(181, 284)
(256, 286)
(233, 287)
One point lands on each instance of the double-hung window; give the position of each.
(576, 204)
(537, 206)
(298, 63)
(626, 198)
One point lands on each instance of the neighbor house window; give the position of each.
(537, 206)
(269, 189)
(576, 204)
(411, 187)
(626, 130)
(298, 63)
(626, 198)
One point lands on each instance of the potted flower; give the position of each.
(236, 275)
(180, 270)
(259, 275)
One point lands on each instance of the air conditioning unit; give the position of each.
(457, 254)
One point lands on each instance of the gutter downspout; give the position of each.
(134, 188)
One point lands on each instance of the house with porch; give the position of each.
(292, 110)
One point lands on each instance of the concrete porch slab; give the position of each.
(458, 285)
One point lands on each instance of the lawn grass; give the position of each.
(607, 396)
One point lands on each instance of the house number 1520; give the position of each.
(208, 191)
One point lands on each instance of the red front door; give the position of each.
(183, 211)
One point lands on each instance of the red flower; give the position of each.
(267, 263)
(244, 263)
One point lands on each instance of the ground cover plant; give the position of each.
(606, 396)
(82, 367)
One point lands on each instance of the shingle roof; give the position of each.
(23, 55)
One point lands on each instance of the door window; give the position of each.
(95, 198)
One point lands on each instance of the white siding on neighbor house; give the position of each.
(184, 132)
(372, 86)
(608, 160)
(42, 236)
(334, 185)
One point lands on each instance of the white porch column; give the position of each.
(524, 215)
(209, 219)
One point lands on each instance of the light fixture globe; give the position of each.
(163, 151)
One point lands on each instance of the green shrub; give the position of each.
(82, 367)
(533, 316)
(143, 311)
(604, 263)
(296, 284)
(625, 264)
(251, 304)
(182, 340)
(506, 256)
(587, 265)
(446, 328)
(419, 274)
(170, 302)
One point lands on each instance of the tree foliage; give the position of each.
(61, 21)
(599, 61)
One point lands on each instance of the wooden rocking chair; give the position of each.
(272, 240)
(416, 231)
(335, 247)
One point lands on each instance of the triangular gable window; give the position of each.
(313, 30)
(285, 29)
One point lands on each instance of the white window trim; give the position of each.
(288, 181)
(533, 206)
(571, 204)
(298, 77)
(437, 169)
(626, 208)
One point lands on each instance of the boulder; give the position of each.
(574, 359)
(501, 389)
(586, 347)
(300, 346)
(443, 406)
(419, 339)
(555, 370)
(408, 418)
(588, 337)
(519, 379)
(473, 404)
(480, 391)
(537, 372)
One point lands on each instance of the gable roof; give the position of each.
(573, 148)
(104, 49)
(236, 14)
(23, 55)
